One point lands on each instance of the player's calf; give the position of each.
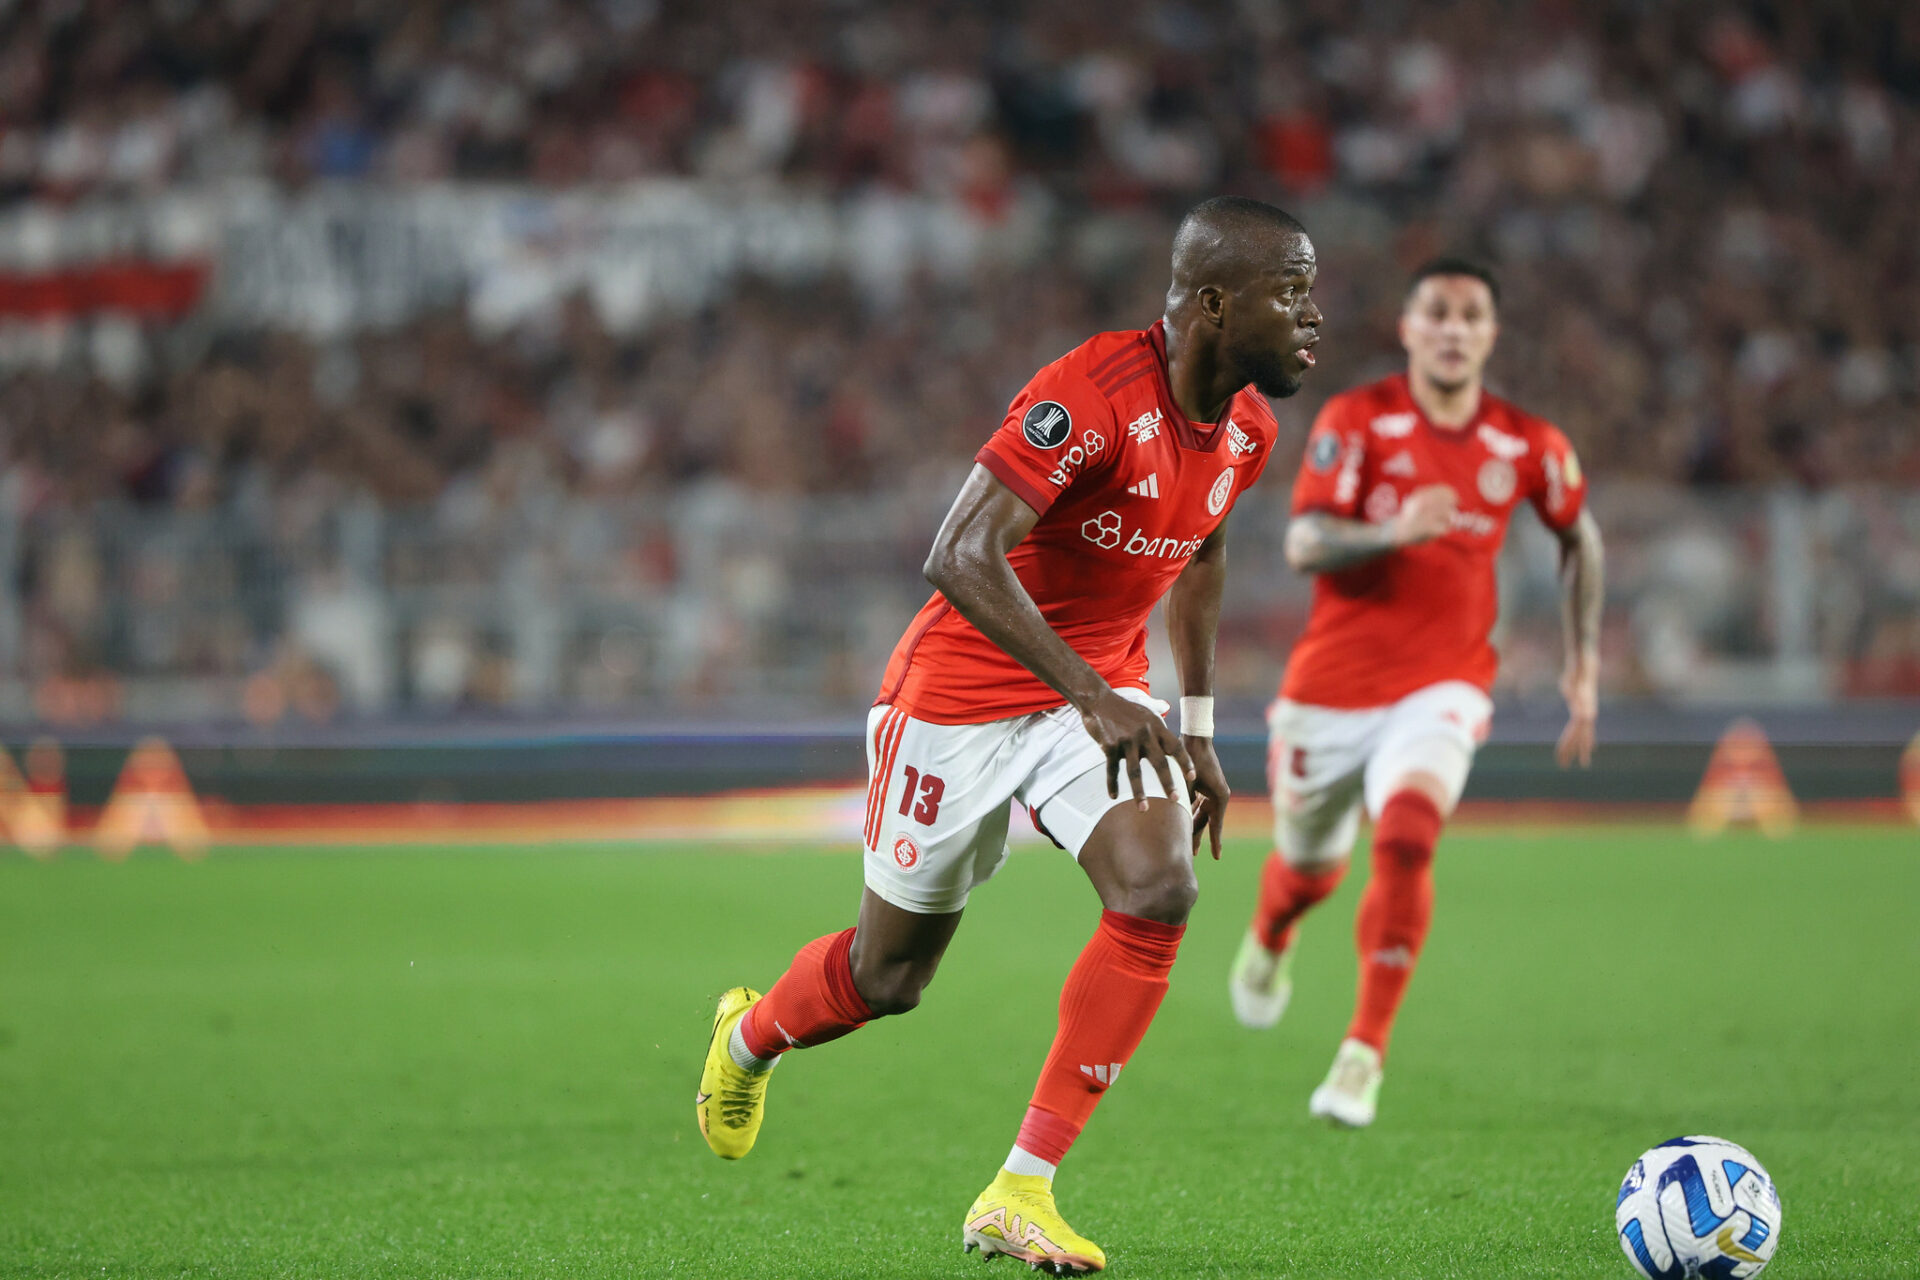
(1288, 892)
(889, 987)
(1260, 984)
(1395, 912)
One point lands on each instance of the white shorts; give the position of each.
(1323, 761)
(938, 796)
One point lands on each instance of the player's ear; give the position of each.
(1400, 327)
(1213, 304)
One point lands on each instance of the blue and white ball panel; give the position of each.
(1698, 1207)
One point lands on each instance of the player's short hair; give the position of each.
(1239, 211)
(1228, 233)
(1450, 266)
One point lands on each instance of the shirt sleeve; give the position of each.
(1559, 489)
(1058, 430)
(1329, 479)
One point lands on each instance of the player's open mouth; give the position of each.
(1306, 355)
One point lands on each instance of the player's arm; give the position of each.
(1582, 590)
(968, 565)
(1193, 625)
(1320, 542)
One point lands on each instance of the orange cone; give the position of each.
(16, 806)
(33, 809)
(152, 802)
(1743, 783)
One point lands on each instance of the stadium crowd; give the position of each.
(1702, 218)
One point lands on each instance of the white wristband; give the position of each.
(1196, 717)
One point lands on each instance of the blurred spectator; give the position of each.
(1702, 217)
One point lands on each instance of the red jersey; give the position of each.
(1127, 490)
(1422, 614)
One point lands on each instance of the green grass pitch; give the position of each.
(440, 1062)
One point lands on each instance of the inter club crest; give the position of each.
(906, 852)
(1047, 425)
(1497, 480)
(1221, 491)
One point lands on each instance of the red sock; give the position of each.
(1394, 911)
(1110, 998)
(813, 1002)
(1285, 895)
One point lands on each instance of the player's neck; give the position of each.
(1450, 407)
(1197, 379)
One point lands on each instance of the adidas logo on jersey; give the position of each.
(1148, 488)
(1400, 464)
(1104, 1072)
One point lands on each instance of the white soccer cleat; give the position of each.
(1261, 983)
(1351, 1092)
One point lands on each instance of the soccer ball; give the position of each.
(1698, 1207)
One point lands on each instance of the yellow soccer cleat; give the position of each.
(1016, 1216)
(732, 1100)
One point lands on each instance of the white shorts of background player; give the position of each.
(1324, 762)
(939, 823)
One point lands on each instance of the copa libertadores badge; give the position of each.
(1047, 425)
(1324, 451)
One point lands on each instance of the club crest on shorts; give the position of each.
(1221, 491)
(1496, 480)
(1047, 425)
(906, 852)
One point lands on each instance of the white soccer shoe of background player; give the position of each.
(1261, 984)
(1351, 1092)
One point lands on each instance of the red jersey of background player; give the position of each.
(1423, 614)
(1127, 490)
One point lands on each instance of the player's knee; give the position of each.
(1172, 900)
(1408, 830)
(1315, 864)
(1403, 855)
(1163, 893)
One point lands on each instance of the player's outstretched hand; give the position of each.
(1426, 514)
(1129, 732)
(1581, 686)
(1210, 794)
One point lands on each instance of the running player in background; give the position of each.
(1024, 679)
(1400, 509)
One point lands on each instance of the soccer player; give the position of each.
(1024, 679)
(1400, 508)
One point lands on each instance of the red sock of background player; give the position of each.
(1394, 912)
(1285, 895)
(1105, 1008)
(813, 1002)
